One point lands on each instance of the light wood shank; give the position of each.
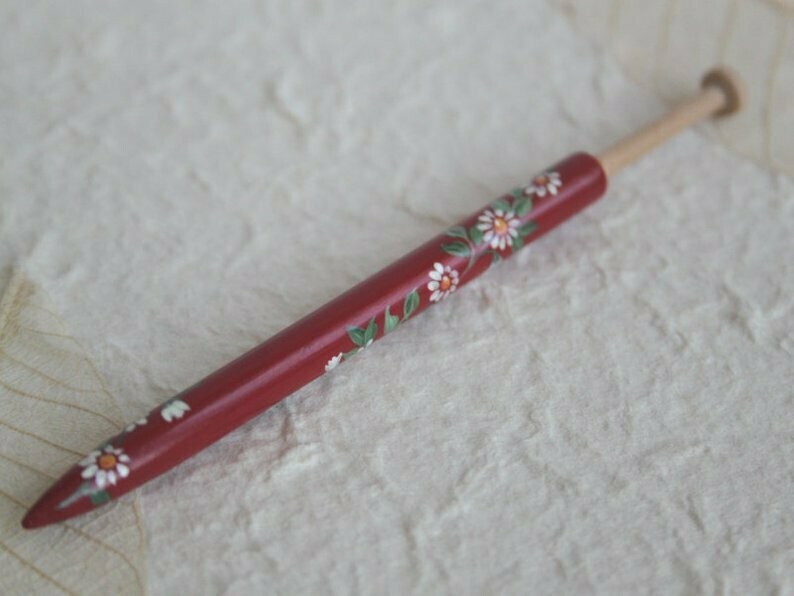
(721, 94)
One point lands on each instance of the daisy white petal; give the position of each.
(123, 470)
(433, 286)
(89, 459)
(89, 471)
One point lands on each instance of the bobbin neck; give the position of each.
(721, 94)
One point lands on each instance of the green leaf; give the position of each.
(350, 354)
(457, 232)
(518, 243)
(370, 332)
(517, 193)
(356, 335)
(459, 249)
(527, 229)
(410, 304)
(501, 204)
(100, 497)
(475, 234)
(390, 321)
(522, 206)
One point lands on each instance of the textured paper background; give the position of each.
(609, 412)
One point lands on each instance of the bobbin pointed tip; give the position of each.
(730, 83)
(43, 513)
(54, 505)
(34, 519)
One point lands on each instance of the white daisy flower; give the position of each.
(174, 408)
(105, 466)
(443, 281)
(547, 182)
(333, 362)
(498, 228)
(132, 425)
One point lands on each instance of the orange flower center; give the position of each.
(500, 226)
(541, 180)
(107, 461)
(445, 282)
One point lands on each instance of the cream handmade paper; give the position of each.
(607, 412)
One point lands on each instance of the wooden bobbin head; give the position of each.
(726, 80)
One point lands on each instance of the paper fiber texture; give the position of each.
(607, 412)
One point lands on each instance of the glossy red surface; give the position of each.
(299, 354)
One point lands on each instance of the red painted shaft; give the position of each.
(322, 340)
